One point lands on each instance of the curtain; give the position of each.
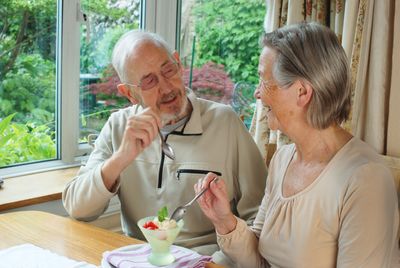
(376, 76)
(393, 143)
(370, 36)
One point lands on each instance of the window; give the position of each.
(28, 57)
(54, 65)
(104, 23)
(55, 77)
(219, 48)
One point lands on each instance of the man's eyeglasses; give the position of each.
(167, 71)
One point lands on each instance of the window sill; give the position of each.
(35, 188)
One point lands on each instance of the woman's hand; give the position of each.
(215, 203)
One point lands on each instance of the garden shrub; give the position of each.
(227, 33)
(25, 142)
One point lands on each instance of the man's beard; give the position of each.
(167, 118)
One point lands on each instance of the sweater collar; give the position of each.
(194, 125)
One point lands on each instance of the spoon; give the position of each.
(166, 148)
(180, 211)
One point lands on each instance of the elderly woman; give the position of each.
(329, 201)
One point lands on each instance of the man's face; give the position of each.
(160, 81)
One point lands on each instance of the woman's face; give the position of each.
(278, 101)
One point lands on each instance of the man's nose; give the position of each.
(164, 85)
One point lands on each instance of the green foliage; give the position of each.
(96, 55)
(24, 142)
(3, 126)
(27, 55)
(109, 21)
(106, 11)
(27, 60)
(29, 89)
(227, 33)
(32, 6)
(27, 27)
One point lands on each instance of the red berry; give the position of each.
(150, 225)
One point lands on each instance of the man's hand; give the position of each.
(140, 131)
(215, 203)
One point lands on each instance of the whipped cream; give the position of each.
(165, 224)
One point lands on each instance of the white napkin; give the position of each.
(31, 256)
(137, 257)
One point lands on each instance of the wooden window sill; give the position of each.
(34, 189)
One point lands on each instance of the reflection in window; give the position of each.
(106, 21)
(219, 48)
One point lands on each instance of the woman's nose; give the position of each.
(257, 92)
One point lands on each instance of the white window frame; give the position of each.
(159, 16)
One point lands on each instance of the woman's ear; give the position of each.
(304, 94)
(125, 91)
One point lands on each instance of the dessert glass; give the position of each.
(160, 242)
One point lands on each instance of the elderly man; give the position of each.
(128, 160)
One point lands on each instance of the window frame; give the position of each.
(159, 16)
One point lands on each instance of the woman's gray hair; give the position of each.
(125, 46)
(311, 53)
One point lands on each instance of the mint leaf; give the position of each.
(162, 214)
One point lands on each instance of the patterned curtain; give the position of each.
(355, 37)
(376, 75)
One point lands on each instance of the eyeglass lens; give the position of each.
(151, 80)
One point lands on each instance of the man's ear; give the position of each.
(125, 91)
(175, 55)
(304, 94)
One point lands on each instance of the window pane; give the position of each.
(219, 48)
(107, 21)
(27, 81)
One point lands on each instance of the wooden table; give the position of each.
(73, 239)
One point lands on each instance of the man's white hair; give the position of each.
(125, 46)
